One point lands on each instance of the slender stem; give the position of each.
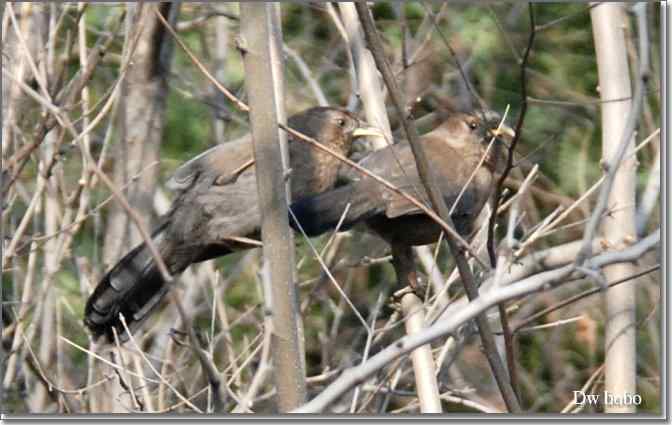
(436, 198)
(508, 339)
(536, 283)
(512, 147)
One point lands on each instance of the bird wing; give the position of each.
(396, 165)
(221, 160)
(451, 172)
(207, 213)
(397, 205)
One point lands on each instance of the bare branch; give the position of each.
(539, 282)
(429, 181)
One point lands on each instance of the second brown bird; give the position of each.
(458, 153)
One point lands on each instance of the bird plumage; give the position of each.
(212, 216)
(454, 149)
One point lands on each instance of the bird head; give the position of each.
(474, 131)
(334, 127)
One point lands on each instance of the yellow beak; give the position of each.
(367, 131)
(503, 131)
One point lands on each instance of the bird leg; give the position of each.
(404, 266)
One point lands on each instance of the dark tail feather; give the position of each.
(133, 288)
(322, 213)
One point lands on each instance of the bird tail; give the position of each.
(320, 213)
(133, 288)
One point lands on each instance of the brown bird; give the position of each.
(454, 150)
(216, 212)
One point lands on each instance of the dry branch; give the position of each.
(429, 181)
(536, 283)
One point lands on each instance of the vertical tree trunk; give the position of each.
(261, 77)
(221, 50)
(11, 63)
(370, 86)
(141, 123)
(608, 21)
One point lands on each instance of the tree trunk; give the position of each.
(609, 22)
(220, 53)
(263, 75)
(141, 124)
(141, 120)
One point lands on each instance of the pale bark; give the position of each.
(220, 53)
(370, 86)
(422, 358)
(609, 22)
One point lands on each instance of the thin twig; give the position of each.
(429, 181)
(539, 282)
(153, 369)
(508, 339)
(305, 139)
(573, 299)
(518, 133)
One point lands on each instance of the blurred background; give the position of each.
(62, 230)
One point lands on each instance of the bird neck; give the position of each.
(314, 170)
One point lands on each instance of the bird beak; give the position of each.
(361, 144)
(504, 131)
(364, 131)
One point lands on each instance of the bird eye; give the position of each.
(340, 122)
(473, 125)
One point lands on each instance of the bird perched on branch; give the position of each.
(463, 161)
(215, 213)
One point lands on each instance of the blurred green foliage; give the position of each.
(561, 134)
